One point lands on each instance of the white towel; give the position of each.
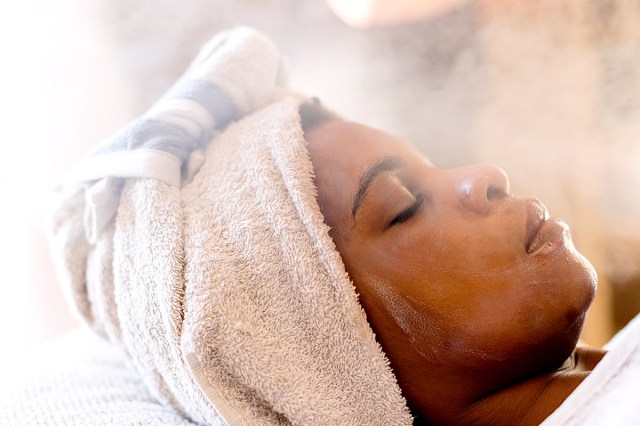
(199, 248)
(609, 395)
(80, 379)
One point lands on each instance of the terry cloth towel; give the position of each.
(79, 379)
(193, 240)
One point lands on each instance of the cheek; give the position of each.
(463, 248)
(486, 309)
(396, 312)
(470, 298)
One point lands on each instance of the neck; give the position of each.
(530, 401)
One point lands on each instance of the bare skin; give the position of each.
(477, 297)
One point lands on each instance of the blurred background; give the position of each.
(548, 90)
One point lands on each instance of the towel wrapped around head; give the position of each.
(193, 240)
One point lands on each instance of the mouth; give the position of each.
(543, 234)
(537, 216)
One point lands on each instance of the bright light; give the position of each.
(24, 43)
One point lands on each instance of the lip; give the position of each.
(537, 215)
(543, 234)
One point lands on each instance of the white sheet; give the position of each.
(611, 393)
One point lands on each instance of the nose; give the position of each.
(479, 186)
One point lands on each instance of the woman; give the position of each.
(226, 243)
(470, 290)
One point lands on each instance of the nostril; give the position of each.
(495, 193)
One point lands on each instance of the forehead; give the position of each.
(341, 152)
(342, 146)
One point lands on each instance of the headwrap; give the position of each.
(193, 240)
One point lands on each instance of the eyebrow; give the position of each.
(368, 176)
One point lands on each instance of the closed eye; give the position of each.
(407, 213)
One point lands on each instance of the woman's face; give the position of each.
(451, 269)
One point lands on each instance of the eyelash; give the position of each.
(407, 213)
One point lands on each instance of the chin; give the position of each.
(582, 292)
(572, 334)
(586, 283)
(562, 329)
(582, 286)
